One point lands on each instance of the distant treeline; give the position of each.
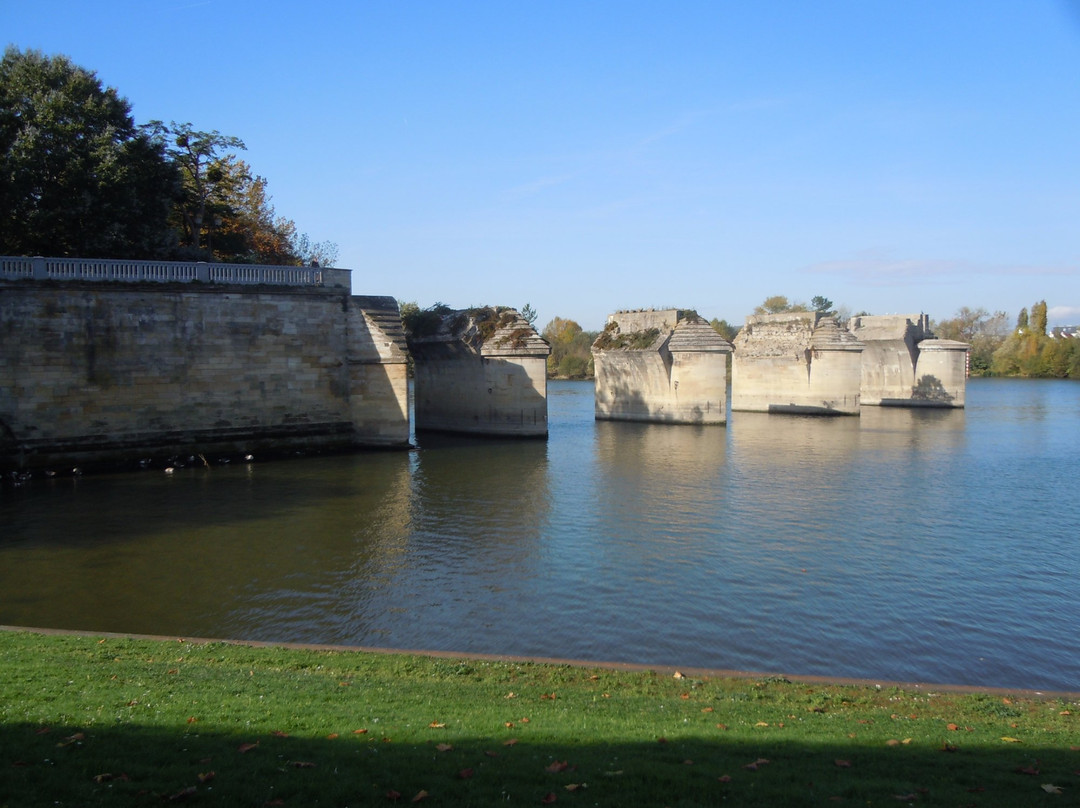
(1028, 348)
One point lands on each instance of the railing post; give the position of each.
(40, 272)
(202, 272)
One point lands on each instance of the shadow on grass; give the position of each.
(133, 765)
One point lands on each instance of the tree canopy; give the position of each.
(78, 177)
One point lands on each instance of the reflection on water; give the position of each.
(935, 545)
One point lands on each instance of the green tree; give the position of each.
(1022, 320)
(209, 175)
(822, 304)
(528, 314)
(777, 304)
(724, 329)
(76, 175)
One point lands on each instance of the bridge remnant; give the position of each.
(108, 363)
(663, 366)
(796, 362)
(904, 365)
(480, 371)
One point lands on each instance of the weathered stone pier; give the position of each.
(107, 362)
(665, 366)
(904, 365)
(481, 371)
(796, 362)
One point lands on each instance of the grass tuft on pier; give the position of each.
(107, 721)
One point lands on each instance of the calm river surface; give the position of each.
(913, 545)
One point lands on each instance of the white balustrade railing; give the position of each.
(106, 269)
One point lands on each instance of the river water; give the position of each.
(911, 545)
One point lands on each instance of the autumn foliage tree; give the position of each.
(571, 349)
(1031, 350)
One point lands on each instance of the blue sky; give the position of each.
(893, 155)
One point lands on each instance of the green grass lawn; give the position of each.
(117, 722)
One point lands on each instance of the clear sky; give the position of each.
(894, 156)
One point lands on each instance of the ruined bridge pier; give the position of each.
(107, 362)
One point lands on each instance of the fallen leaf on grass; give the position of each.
(302, 764)
(892, 742)
(102, 778)
(1007, 739)
(436, 725)
(69, 740)
(510, 695)
(465, 774)
(206, 777)
(677, 675)
(572, 787)
(332, 736)
(706, 709)
(757, 764)
(489, 753)
(359, 732)
(952, 727)
(192, 720)
(550, 697)
(842, 764)
(510, 742)
(761, 724)
(183, 794)
(277, 733)
(1050, 788)
(557, 766)
(393, 795)
(246, 747)
(721, 726)
(42, 731)
(420, 795)
(444, 747)
(724, 778)
(948, 747)
(906, 797)
(1026, 770)
(548, 798)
